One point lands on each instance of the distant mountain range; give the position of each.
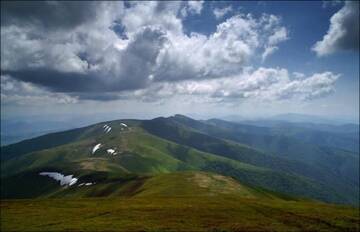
(292, 117)
(296, 118)
(121, 157)
(17, 129)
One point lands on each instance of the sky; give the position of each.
(199, 58)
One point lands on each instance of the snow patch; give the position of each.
(96, 147)
(64, 180)
(107, 128)
(86, 184)
(111, 151)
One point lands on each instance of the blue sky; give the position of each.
(209, 59)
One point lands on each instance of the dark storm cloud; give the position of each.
(350, 24)
(47, 14)
(343, 33)
(138, 61)
(129, 70)
(101, 51)
(89, 56)
(71, 82)
(58, 81)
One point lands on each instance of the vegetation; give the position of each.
(145, 154)
(177, 173)
(185, 201)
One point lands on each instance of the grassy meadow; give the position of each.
(203, 213)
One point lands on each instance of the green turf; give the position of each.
(177, 201)
(191, 213)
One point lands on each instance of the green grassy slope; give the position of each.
(159, 183)
(57, 139)
(141, 154)
(185, 183)
(188, 132)
(195, 213)
(314, 147)
(145, 154)
(345, 137)
(179, 201)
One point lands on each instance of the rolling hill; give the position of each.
(338, 170)
(181, 201)
(164, 145)
(145, 154)
(170, 166)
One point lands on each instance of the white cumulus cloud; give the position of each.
(141, 49)
(192, 7)
(221, 12)
(264, 84)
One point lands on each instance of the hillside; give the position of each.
(225, 213)
(141, 152)
(194, 172)
(184, 201)
(163, 145)
(339, 170)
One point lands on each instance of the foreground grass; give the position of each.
(205, 213)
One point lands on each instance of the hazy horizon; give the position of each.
(17, 129)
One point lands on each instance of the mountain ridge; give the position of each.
(145, 151)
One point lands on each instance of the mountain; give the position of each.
(210, 174)
(164, 145)
(16, 130)
(339, 170)
(341, 128)
(345, 136)
(140, 153)
(301, 118)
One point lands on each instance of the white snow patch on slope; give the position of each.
(107, 128)
(86, 184)
(111, 151)
(96, 147)
(64, 180)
